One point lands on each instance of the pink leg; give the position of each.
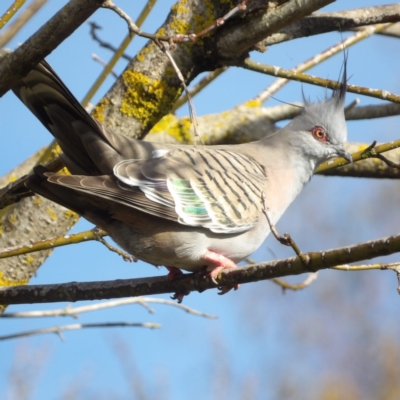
(173, 272)
(221, 263)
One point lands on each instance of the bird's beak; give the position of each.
(341, 152)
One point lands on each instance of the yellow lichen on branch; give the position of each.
(147, 99)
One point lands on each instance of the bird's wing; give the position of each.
(216, 189)
(219, 190)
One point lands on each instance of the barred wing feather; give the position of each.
(217, 189)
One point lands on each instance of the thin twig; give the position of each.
(94, 27)
(299, 286)
(368, 267)
(44, 41)
(69, 311)
(210, 77)
(370, 152)
(50, 244)
(98, 235)
(11, 12)
(359, 155)
(350, 106)
(323, 56)
(134, 29)
(286, 285)
(26, 14)
(179, 38)
(74, 327)
(192, 110)
(117, 54)
(313, 80)
(286, 239)
(103, 63)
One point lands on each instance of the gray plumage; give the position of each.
(174, 205)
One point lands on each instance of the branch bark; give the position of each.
(45, 40)
(128, 106)
(344, 20)
(75, 291)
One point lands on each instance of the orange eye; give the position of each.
(319, 134)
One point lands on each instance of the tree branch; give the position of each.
(76, 291)
(19, 22)
(73, 312)
(45, 40)
(74, 327)
(234, 43)
(11, 12)
(327, 22)
(314, 80)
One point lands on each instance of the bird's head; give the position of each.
(320, 130)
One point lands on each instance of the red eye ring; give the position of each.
(319, 133)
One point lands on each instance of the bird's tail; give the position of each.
(86, 144)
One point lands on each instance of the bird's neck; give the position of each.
(287, 173)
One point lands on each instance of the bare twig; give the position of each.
(323, 56)
(45, 40)
(350, 106)
(210, 77)
(286, 285)
(286, 239)
(373, 111)
(103, 63)
(11, 12)
(370, 152)
(352, 112)
(69, 311)
(49, 244)
(74, 327)
(192, 110)
(98, 235)
(20, 21)
(94, 27)
(117, 54)
(313, 80)
(298, 286)
(367, 267)
(360, 155)
(180, 38)
(318, 23)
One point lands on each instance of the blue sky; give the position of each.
(261, 337)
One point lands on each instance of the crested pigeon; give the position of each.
(196, 208)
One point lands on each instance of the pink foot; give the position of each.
(221, 263)
(173, 272)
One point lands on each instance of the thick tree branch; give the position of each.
(128, 107)
(235, 42)
(75, 291)
(45, 40)
(327, 22)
